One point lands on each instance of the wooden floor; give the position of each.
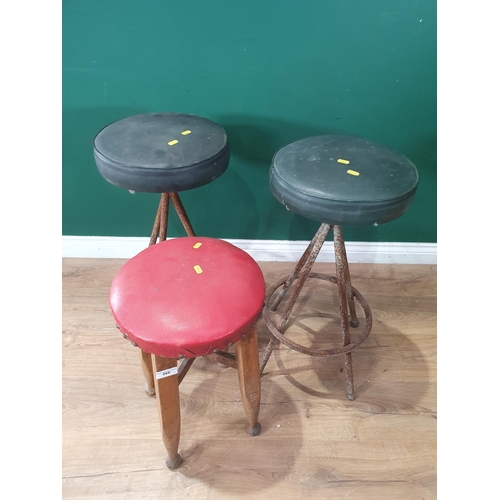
(315, 443)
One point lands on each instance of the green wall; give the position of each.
(270, 72)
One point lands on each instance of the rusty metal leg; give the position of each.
(165, 201)
(161, 220)
(156, 225)
(159, 230)
(312, 252)
(288, 283)
(267, 353)
(295, 272)
(345, 265)
(179, 208)
(318, 243)
(341, 265)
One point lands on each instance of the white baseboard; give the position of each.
(106, 247)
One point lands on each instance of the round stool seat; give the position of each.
(343, 180)
(161, 152)
(187, 296)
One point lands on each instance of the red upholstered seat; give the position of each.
(187, 296)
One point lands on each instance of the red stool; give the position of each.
(190, 297)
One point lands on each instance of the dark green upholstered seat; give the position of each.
(343, 180)
(161, 152)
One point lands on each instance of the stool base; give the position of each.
(161, 221)
(246, 361)
(347, 297)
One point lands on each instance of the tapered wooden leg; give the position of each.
(247, 357)
(147, 369)
(167, 396)
(159, 230)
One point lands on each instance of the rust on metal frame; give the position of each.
(300, 272)
(160, 226)
(341, 258)
(347, 296)
(159, 232)
(342, 279)
(179, 208)
(319, 352)
(156, 225)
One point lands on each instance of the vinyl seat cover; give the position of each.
(169, 307)
(135, 154)
(307, 177)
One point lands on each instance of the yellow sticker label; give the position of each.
(186, 132)
(353, 172)
(345, 162)
(197, 245)
(171, 143)
(198, 269)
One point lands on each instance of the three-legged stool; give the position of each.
(338, 181)
(162, 153)
(189, 297)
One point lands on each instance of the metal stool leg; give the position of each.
(161, 220)
(301, 272)
(347, 295)
(179, 208)
(298, 267)
(345, 266)
(296, 271)
(342, 281)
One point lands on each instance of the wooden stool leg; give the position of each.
(147, 369)
(167, 396)
(159, 230)
(247, 357)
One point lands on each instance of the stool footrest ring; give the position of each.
(266, 313)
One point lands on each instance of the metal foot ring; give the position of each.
(266, 313)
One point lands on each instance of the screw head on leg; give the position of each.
(354, 323)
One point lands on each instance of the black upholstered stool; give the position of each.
(162, 153)
(340, 181)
